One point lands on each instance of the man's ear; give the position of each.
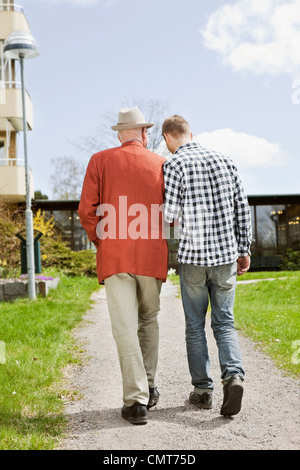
(166, 137)
(119, 137)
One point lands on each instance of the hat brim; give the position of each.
(123, 127)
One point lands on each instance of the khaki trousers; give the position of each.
(133, 304)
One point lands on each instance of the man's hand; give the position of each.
(243, 264)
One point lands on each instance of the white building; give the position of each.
(12, 170)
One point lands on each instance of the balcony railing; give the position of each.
(12, 162)
(10, 7)
(12, 180)
(11, 84)
(11, 108)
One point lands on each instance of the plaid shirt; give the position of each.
(203, 190)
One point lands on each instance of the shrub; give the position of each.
(11, 222)
(44, 224)
(54, 252)
(291, 261)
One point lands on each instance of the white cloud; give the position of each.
(261, 36)
(264, 167)
(247, 151)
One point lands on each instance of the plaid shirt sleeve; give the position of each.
(172, 192)
(243, 228)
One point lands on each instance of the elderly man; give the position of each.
(203, 190)
(119, 184)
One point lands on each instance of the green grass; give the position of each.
(38, 345)
(267, 275)
(268, 312)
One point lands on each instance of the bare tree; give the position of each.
(68, 177)
(154, 111)
(69, 172)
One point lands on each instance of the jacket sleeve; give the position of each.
(90, 201)
(243, 227)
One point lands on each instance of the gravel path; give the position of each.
(269, 418)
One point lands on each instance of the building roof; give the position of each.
(257, 199)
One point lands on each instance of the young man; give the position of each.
(203, 190)
(120, 189)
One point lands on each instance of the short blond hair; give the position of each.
(176, 126)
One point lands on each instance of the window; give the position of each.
(294, 226)
(271, 229)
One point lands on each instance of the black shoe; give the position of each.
(204, 400)
(233, 393)
(153, 397)
(135, 414)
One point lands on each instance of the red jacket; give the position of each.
(127, 183)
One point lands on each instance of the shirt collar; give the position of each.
(132, 142)
(187, 146)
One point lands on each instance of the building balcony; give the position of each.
(11, 107)
(12, 19)
(12, 181)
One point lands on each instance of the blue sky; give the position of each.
(232, 69)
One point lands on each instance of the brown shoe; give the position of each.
(233, 393)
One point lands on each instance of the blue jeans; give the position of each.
(198, 285)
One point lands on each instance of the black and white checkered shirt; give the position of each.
(204, 192)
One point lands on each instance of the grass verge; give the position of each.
(38, 345)
(268, 313)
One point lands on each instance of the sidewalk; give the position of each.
(269, 418)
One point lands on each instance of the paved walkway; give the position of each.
(269, 418)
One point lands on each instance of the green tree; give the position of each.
(39, 195)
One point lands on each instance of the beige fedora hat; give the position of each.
(130, 118)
